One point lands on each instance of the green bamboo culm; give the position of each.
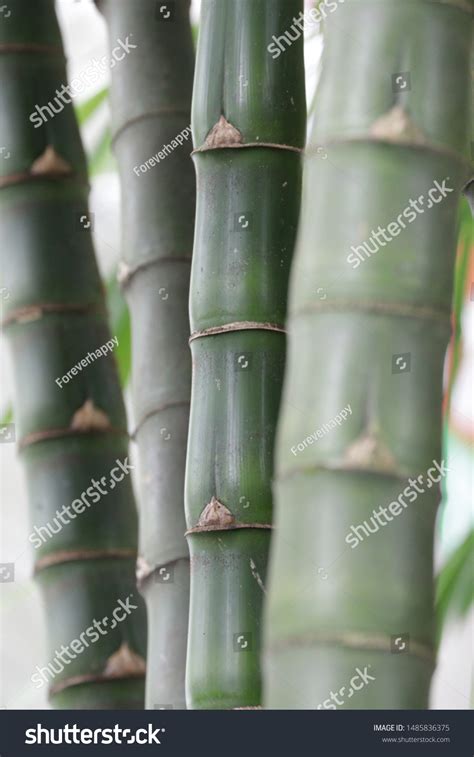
(151, 103)
(71, 430)
(249, 120)
(349, 621)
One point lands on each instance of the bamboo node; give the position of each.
(223, 134)
(28, 315)
(49, 162)
(90, 418)
(142, 569)
(396, 126)
(124, 663)
(216, 514)
(369, 451)
(123, 272)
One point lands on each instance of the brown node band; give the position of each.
(237, 326)
(56, 688)
(402, 309)
(34, 312)
(126, 273)
(122, 664)
(231, 527)
(65, 556)
(372, 642)
(156, 411)
(245, 145)
(60, 433)
(30, 47)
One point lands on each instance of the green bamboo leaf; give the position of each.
(455, 583)
(86, 109)
(120, 327)
(100, 159)
(7, 416)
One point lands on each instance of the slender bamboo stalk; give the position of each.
(249, 120)
(71, 432)
(158, 222)
(351, 586)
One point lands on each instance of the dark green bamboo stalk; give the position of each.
(70, 432)
(351, 592)
(248, 126)
(158, 223)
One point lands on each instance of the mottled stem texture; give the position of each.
(72, 431)
(249, 120)
(349, 621)
(151, 112)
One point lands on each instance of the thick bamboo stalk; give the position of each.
(249, 120)
(158, 221)
(351, 593)
(71, 432)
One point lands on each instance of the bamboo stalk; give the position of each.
(70, 432)
(158, 223)
(351, 591)
(248, 127)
